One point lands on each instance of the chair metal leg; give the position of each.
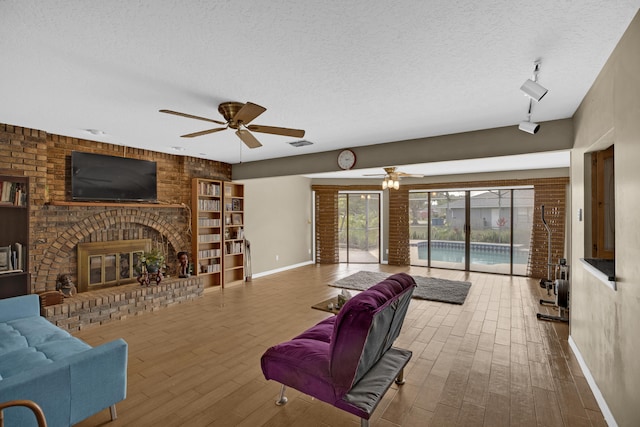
(364, 423)
(283, 399)
(400, 377)
(114, 414)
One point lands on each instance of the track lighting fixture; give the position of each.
(535, 92)
(531, 87)
(529, 127)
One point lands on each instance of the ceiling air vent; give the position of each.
(300, 143)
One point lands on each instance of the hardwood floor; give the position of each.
(489, 362)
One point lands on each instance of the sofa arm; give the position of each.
(98, 379)
(46, 385)
(19, 307)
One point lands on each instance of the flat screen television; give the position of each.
(97, 177)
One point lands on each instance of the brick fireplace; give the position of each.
(72, 226)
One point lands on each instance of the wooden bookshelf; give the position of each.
(14, 236)
(207, 229)
(234, 242)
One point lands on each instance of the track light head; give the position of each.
(529, 127)
(533, 90)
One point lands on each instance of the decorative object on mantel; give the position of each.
(149, 267)
(65, 285)
(184, 267)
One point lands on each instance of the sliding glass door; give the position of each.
(359, 227)
(447, 225)
(490, 231)
(486, 230)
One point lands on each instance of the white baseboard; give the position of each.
(604, 408)
(278, 270)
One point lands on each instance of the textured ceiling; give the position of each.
(350, 73)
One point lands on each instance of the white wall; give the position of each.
(604, 322)
(278, 222)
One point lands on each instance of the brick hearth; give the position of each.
(98, 307)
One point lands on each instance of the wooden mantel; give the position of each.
(116, 204)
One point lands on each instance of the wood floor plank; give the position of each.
(499, 379)
(431, 392)
(470, 415)
(445, 416)
(487, 362)
(497, 411)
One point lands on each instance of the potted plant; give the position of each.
(152, 260)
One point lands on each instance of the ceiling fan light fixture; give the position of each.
(390, 183)
(238, 116)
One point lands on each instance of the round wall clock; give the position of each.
(346, 159)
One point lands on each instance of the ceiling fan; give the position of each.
(238, 116)
(392, 177)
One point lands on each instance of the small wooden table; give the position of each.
(324, 305)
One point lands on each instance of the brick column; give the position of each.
(552, 195)
(327, 250)
(399, 251)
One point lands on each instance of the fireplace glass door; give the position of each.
(112, 269)
(104, 264)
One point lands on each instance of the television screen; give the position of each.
(110, 178)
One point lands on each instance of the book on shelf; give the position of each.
(208, 189)
(13, 193)
(208, 238)
(209, 205)
(233, 248)
(208, 222)
(12, 258)
(209, 253)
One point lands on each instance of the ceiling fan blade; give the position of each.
(248, 112)
(297, 133)
(410, 175)
(190, 116)
(380, 175)
(248, 138)
(202, 132)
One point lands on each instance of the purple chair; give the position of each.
(348, 360)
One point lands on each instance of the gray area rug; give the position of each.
(429, 288)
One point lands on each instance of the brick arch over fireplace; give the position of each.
(63, 248)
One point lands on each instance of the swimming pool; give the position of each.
(479, 253)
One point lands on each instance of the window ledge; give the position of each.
(602, 269)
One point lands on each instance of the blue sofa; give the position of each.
(66, 377)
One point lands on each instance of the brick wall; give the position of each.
(552, 196)
(106, 305)
(57, 229)
(326, 232)
(399, 251)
